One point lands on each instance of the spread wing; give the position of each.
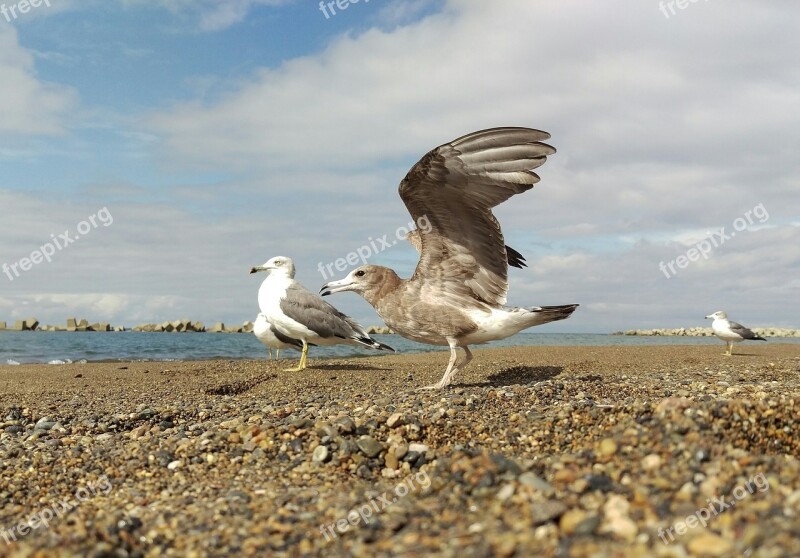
(454, 188)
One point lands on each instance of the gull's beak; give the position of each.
(345, 284)
(709, 317)
(258, 268)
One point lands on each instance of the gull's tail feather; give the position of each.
(546, 314)
(373, 344)
(360, 336)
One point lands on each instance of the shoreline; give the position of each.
(69, 358)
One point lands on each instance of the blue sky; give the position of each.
(221, 133)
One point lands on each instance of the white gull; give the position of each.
(730, 332)
(298, 313)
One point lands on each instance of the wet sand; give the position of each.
(550, 451)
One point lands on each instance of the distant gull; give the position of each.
(297, 313)
(731, 332)
(272, 338)
(457, 294)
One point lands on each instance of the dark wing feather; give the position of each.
(455, 187)
(515, 259)
(746, 333)
(285, 338)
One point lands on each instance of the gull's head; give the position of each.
(279, 265)
(367, 280)
(719, 315)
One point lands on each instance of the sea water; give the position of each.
(23, 347)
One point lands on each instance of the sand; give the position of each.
(534, 451)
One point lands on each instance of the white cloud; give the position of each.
(28, 106)
(663, 127)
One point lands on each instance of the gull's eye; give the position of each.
(361, 273)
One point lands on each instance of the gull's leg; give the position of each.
(467, 358)
(269, 349)
(302, 364)
(277, 354)
(729, 352)
(451, 368)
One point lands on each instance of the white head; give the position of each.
(279, 265)
(719, 315)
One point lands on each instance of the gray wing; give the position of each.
(455, 187)
(309, 309)
(739, 329)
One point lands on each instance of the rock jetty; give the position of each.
(177, 326)
(707, 332)
(380, 330)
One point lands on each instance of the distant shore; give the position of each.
(707, 332)
(176, 326)
(185, 325)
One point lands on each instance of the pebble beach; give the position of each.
(666, 451)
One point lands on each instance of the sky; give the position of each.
(152, 151)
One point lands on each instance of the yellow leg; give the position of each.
(303, 356)
(277, 354)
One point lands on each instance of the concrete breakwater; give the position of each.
(177, 326)
(707, 332)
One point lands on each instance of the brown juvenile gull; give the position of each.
(729, 331)
(298, 313)
(457, 294)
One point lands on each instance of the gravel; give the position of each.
(552, 451)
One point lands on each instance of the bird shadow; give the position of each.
(518, 375)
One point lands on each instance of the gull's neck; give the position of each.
(385, 292)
